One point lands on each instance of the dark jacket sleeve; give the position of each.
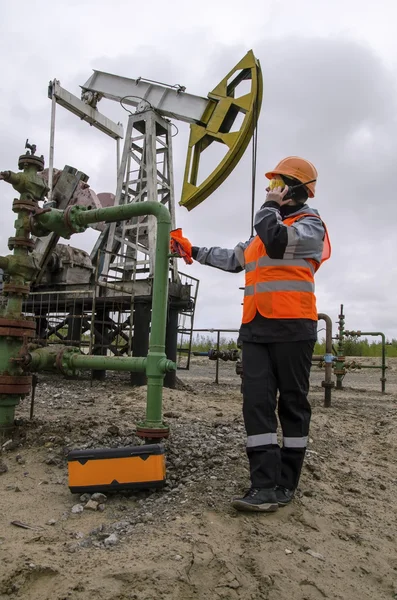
(303, 239)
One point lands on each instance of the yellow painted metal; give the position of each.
(217, 121)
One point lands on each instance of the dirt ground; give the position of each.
(338, 540)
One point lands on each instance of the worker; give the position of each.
(278, 330)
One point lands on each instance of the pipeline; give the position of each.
(383, 365)
(16, 331)
(328, 383)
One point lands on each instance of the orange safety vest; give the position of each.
(280, 288)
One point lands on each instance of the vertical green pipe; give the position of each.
(327, 384)
(340, 357)
(383, 367)
(154, 372)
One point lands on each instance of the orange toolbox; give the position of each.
(108, 469)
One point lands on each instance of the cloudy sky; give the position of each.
(330, 72)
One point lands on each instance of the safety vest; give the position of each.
(280, 288)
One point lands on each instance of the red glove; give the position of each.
(181, 246)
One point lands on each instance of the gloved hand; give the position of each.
(181, 246)
(276, 192)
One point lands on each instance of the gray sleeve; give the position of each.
(222, 258)
(305, 239)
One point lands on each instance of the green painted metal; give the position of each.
(43, 359)
(21, 267)
(225, 104)
(77, 362)
(339, 365)
(383, 366)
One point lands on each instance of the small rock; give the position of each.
(98, 497)
(113, 430)
(77, 508)
(288, 551)
(9, 445)
(19, 459)
(85, 498)
(315, 554)
(112, 540)
(91, 505)
(177, 557)
(101, 507)
(51, 522)
(382, 486)
(87, 543)
(79, 535)
(52, 460)
(3, 467)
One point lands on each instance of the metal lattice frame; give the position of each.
(145, 173)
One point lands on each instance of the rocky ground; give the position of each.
(337, 540)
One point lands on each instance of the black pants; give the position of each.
(282, 367)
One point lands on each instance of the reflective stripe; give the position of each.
(292, 242)
(295, 442)
(284, 286)
(250, 266)
(262, 439)
(265, 261)
(249, 290)
(239, 254)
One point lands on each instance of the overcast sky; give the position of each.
(330, 72)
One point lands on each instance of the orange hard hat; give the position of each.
(298, 168)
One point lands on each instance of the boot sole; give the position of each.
(245, 507)
(285, 502)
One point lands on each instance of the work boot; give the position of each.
(257, 500)
(284, 496)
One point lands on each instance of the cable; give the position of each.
(177, 130)
(254, 158)
(139, 98)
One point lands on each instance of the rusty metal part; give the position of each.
(10, 288)
(19, 205)
(62, 363)
(30, 159)
(17, 328)
(13, 332)
(22, 323)
(149, 433)
(67, 217)
(20, 242)
(15, 384)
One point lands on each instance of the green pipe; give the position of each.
(77, 219)
(156, 354)
(383, 366)
(107, 363)
(43, 359)
(4, 263)
(339, 365)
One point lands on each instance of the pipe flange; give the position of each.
(18, 323)
(327, 384)
(150, 433)
(69, 214)
(20, 242)
(21, 290)
(15, 384)
(19, 205)
(31, 159)
(62, 362)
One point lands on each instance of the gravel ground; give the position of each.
(337, 540)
